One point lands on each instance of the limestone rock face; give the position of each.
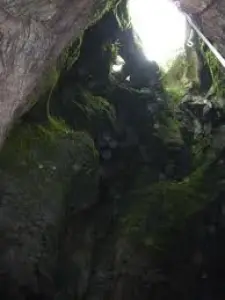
(210, 18)
(32, 35)
(194, 5)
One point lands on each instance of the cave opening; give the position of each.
(160, 27)
(112, 185)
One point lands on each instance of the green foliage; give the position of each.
(175, 93)
(56, 127)
(217, 74)
(180, 75)
(174, 76)
(176, 67)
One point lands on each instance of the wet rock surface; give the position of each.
(108, 188)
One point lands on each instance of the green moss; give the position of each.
(35, 156)
(22, 146)
(158, 210)
(175, 93)
(168, 131)
(96, 105)
(91, 113)
(28, 145)
(70, 54)
(217, 73)
(44, 86)
(181, 74)
(167, 127)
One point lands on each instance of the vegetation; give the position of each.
(181, 74)
(174, 79)
(70, 54)
(163, 208)
(22, 146)
(216, 73)
(112, 170)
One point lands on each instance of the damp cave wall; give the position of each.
(108, 189)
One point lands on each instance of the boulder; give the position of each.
(47, 174)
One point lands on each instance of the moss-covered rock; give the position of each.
(82, 110)
(39, 167)
(84, 209)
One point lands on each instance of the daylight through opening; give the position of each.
(161, 28)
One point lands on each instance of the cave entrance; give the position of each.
(160, 27)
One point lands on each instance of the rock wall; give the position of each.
(32, 35)
(111, 186)
(209, 15)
